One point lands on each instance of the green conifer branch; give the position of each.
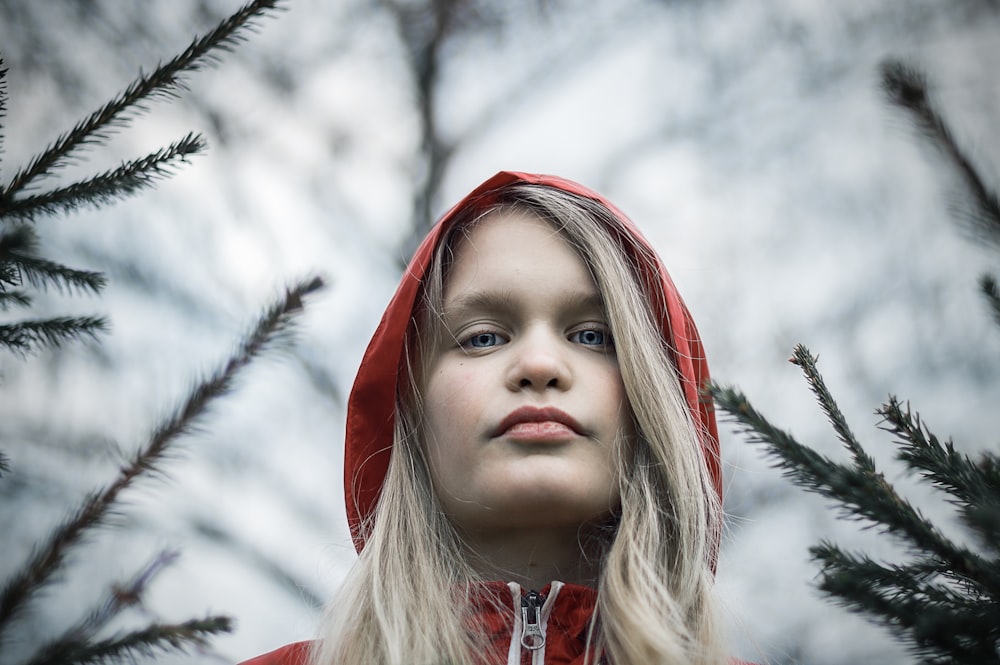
(50, 558)
(126, 180)
(942, 465)
(271, 325)
(924, 578)
(42, 273)
(936, 625)
(3, 106)
(144, 643)
(24, 336)
(165, 81)
(991, 291)
(906, 87)
(9, 299)
(120, 597)
(974, 487)
(19, 262)
(17, 240)
(807, 362)
(861, 494)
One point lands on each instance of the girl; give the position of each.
(531, 475)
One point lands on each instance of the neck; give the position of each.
(535, 557)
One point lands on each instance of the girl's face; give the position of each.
(523, 400)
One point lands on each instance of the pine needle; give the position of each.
(165, 81)
(50, 558)
(108, 187)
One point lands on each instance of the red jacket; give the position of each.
(563, 619)
(564, 609)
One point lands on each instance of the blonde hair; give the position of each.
(398, 605)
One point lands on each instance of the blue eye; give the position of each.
(484, 340)
(591, 337)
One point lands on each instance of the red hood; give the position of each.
(371, 406)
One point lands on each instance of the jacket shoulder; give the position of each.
(290, 654)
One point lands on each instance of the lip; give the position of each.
(541, 416)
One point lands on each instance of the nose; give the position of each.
(540, 363)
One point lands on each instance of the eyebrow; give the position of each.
(503, 301)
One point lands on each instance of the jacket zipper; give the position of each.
(532, 637)
(530, 623)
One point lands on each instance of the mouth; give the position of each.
(538, 423)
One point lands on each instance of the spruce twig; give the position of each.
(19, 262)
(126, 180)
(932, 616)
(946, 600)
(9, 299)
(146, 642)
(23, 336)
(974, 488)
(906, 87)
(3, 105)
(807, 362)
(991, 291)
(119, 597)
(95, 510)
(165, 81)
(861, 493)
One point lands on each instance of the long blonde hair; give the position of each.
(398, 604)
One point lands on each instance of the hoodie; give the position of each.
(559, 613)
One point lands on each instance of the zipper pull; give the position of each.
(532, 637)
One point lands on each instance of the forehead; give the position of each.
(514, 245)
(518, 262)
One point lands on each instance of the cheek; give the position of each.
(447, 393)
(451, 405)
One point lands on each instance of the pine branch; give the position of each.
(10, 299)
(41, 273)
(807, 362)
(990, 290)
(926, 578)
(975, 487)
(3, 106)
(935, 621)
(50, 558)
(4, 464)
(942, 465)
(118, 598)
(166, 81)
(861, 494)
(906, 87)
(126, 180)
(147, 642)
(18, 240)
(19, 262)
(23, 336)
(271, 325)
